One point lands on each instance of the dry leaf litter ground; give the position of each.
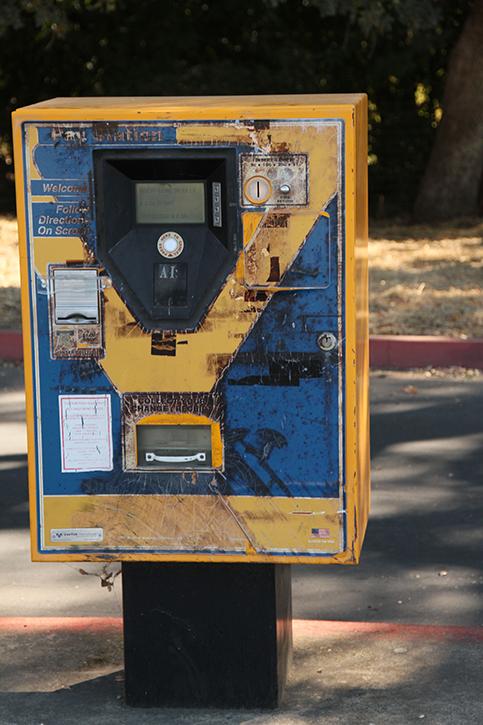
(426, 281)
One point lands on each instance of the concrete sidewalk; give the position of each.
(69, 674)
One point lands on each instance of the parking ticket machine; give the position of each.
(194, 300)
(194, 296)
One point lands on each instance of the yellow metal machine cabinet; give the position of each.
(194, 300)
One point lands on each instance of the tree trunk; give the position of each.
(451, 183)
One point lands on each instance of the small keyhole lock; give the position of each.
(327, 341)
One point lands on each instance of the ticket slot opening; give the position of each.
(76, 296)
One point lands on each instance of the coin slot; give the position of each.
(258, 189)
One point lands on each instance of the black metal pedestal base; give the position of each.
(201, 635)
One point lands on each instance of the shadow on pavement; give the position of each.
(338, 679)
(421, 560)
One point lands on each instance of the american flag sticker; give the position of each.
(321, 533)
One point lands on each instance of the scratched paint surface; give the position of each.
(253, 365)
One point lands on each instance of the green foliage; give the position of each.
(397, 51)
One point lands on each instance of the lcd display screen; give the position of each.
(177, 202)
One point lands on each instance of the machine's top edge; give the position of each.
(169, 106)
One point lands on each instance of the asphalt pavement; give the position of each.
(422, 565)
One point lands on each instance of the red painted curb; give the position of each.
(324, 628)
(419, 351)
(11, 345)
(387, 352)
(301, 627)
(18, 625)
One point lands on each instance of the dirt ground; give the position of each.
(423, 280)
(426, 280)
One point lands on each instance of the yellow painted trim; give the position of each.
(193, 108)
(350, 343)
(26, 330)
(216, 446)
(356, 335)
(345, 557)
(363, 496)
(189, 419)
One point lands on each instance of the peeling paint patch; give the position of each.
(274, 274)
(163, 343)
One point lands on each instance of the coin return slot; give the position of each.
(174, 447)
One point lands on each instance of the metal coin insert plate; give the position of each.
(174, 447)
(274, 180)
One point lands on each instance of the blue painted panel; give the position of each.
(282, 440)
(312, 267)
(63, 161)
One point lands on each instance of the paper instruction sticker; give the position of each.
(85, 433)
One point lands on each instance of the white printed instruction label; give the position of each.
(73, 535)
(85, 433)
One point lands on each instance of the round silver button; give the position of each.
(170, 245)
(285, 188)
